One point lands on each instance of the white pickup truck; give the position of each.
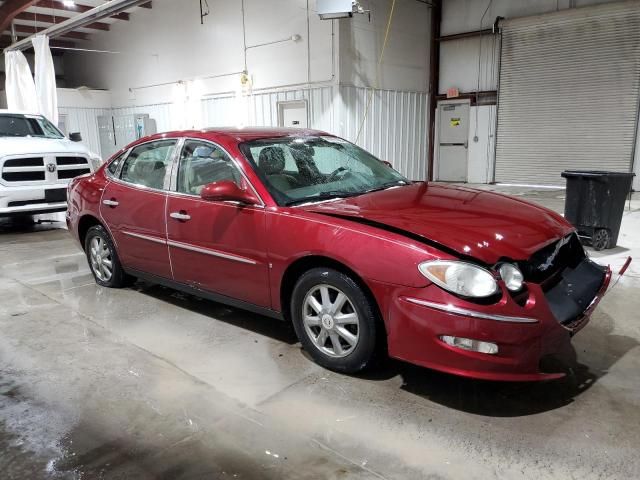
(36, 163)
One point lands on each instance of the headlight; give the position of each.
(512, 276)
(96, 162)
(461, 278)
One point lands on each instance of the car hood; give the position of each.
(39, 146)
(473, 223)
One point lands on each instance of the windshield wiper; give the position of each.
(324, 196)
(384, 186)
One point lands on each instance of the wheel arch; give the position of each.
(84, 224)
(297, 268)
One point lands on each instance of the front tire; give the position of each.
(103, 259)
(335, 320)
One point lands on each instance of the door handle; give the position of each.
(110, 202)
(181, 215)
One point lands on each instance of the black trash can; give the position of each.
(594, 204)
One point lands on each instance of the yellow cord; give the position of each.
(377, 83)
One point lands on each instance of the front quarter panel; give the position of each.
(374, 254)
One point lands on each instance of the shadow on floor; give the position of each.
(599, 351)
(29, 224)
(265, 326)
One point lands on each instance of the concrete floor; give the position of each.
(147, 383)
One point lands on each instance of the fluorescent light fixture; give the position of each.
(332, 9)
(69, 3)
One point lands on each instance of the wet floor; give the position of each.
(146, 383)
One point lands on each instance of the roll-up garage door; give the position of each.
(568, 95)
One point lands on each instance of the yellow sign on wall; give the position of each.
(454, 122)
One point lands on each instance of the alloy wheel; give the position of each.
(101, 259)
(330, 320)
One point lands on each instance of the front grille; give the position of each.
(39, 169)
(24, 162)
(546, 264)
(71, 167)
(66, 174)
(71, 161)
(22, 176)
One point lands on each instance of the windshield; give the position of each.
(27, 125)
(305, 169)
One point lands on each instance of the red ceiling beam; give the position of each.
(32, 17)
(77, 7)
(31, 30)
(11, 8)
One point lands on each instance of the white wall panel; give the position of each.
(85, 121)
(395, 128)
(161, 113)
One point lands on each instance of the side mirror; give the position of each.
(75, 137)
(226, 190)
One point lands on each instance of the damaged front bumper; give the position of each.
(524, 329)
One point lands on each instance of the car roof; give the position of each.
(240, 134)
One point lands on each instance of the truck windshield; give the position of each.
(27, 125)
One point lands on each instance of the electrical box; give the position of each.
(118, 131)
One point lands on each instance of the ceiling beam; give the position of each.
(67, 27)
(5, 41)
(146, 5)
(33, 17)
(77, 7)
(11, 8)
(32, 30)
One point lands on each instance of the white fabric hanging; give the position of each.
(45, 79)
(19, 86)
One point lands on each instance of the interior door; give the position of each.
(216, 246)
(133, 206)
(453, 141)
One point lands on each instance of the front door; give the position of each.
(216, 246)
(453, 140)
(133, 207)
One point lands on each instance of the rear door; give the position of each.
(133, 206)
(216, 246)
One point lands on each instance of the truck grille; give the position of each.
(39, 169)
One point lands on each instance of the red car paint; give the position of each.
(380, 236)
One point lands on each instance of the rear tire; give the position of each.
(103, 259)
(336, 321)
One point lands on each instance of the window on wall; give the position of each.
(202, 163)
(147, 164)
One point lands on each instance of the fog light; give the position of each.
(471, 345)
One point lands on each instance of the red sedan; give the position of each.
(307, 227)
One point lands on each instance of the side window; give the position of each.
(147, 164)
(115, 163)
(202, 163)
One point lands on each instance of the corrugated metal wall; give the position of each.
(396, 127)
(160, 112)
(85, 121)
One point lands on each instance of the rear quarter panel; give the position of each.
(84, 194)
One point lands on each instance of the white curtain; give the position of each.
(19, 86)
(45, 79)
